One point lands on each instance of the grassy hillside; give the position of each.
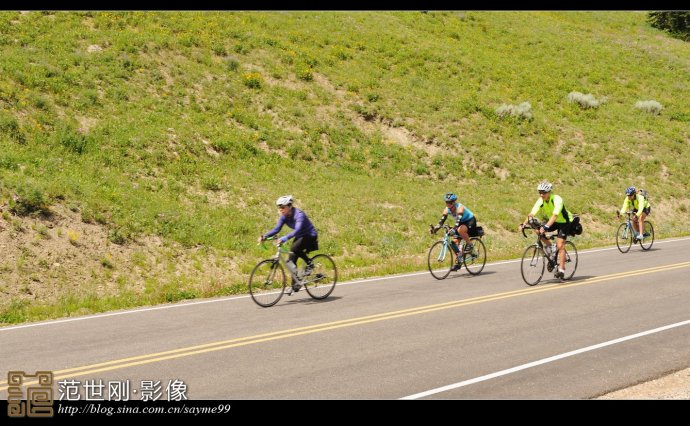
(142, 152)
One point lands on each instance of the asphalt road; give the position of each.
(623, 319)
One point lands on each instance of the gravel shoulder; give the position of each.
(673, 386)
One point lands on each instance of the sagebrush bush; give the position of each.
(585, 101)
(10, 127)
(233, 63)
(652, 107)
(522, 111)
(29, 200)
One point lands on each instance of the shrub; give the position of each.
(652, 107)
(219, 50)
(233, 63)
(71, 139)
(305, 74)
(522, 111)
(585, 101)
(28, 200)
(10, 127)
(253, 80)
(117, 236)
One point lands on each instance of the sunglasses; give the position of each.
(542, 192)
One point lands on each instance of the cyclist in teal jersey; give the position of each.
(465, 222)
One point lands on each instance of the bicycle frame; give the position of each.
(447, 241)
(540, 244)
(629, 222)
(279, 257)
(535, 261)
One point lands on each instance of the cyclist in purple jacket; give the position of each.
(304, 233)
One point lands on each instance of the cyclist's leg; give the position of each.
(467, 228)
(643, 216)
(299, 249)
(560, 244)
(462, 230)
(635, 223)
(455, 241)
(544, 240)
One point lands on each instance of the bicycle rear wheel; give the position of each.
(624, 238)
(646, 244)
(475, 261)
(267, 283)
(321, 282)
(570, 260)
(533, 264)
(440, 260)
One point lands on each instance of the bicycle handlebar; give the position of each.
(433, 230)
(269, 239)
(533, 223)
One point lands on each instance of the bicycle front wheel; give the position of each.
(648, 241)
(440, 260)
(533, 264)
(570, 260)
(624, 238)
(475, 261)
(321, 282)
(267, 283)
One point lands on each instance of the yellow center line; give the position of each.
(277, 335)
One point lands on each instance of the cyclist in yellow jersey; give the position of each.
(639, 205)
(551, 208)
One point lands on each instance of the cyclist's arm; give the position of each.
(443, 218)
(640, 204)
(551, 221)
(626, 202)
(277, 228)
(299, 223)
(533, 212)
(460, 211)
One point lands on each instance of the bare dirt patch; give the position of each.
(46, 259)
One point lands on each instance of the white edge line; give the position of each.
(543, 361)
(232, 298)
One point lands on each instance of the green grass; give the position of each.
(189, 125)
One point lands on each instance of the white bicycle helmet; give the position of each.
(544, 186)
(284, 200)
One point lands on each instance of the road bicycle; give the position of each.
(440, 259)
(267, 281)
(625, 236)
(535, 260)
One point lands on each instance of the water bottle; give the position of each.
(292, 267)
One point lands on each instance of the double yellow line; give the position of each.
(277, 335)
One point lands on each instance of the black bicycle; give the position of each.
(535, 259)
